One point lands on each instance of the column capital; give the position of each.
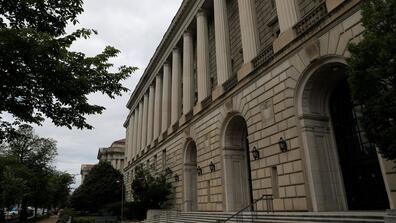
(202, 12)
(187, 33)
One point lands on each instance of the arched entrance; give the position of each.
(342, 167)
(237, 174)
(190, 177)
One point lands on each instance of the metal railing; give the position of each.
(249, 213)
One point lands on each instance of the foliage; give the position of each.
(372, 74)
(65, 214)
(26, 173)
(100, 188)
(40, 75)
(150, 191)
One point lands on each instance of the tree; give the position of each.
(372, 74)
(40, 76)
(59, 189)
(29, 164)
(150, 191)
(98, 190)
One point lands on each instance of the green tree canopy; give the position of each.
(101, 188)
(40, 76)
(26, 167)
(372, 74)
(150, 190)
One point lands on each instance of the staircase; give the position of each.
(260, 217)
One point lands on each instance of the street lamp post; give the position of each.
(122, 199)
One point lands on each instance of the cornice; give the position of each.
(179, 24)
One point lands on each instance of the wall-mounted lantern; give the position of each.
(168, 171)
(199, 170)
(177, 178)
(212, 167)
(282, 145)
(256, 153)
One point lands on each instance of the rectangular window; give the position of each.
(275, 183)
(163, 159)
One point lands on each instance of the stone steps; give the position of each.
(282, 217)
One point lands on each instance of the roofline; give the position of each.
(177, 23)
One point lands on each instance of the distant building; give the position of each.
(85, 170)
(114, 154)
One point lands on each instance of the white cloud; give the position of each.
(136, 28)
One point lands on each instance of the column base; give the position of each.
(284, 39)
(245, 70)
(332, 4)
(217, 92)
(197, 108)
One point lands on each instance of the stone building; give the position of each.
(114, 154)
(258, 89)
(85, 170)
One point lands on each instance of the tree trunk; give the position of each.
(2, 215)
(23, 214)
(35, 211)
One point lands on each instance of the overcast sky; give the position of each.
(136, 28)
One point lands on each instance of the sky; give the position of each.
(136, 28)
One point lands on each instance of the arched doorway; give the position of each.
(340, 171)
(363, 181)
(237, 174)
(190, 177)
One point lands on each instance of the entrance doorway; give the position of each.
(342, 166)
(363, 182)
(237, 174)
(190, 177)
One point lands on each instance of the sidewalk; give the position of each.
(51, 219)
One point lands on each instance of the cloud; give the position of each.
(136, 28)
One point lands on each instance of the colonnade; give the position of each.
(171, 94)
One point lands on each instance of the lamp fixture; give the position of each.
(256, 153)
(282, 145)
(177, 178)
(212, 167)
(199, 170)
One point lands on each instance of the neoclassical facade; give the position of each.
(114, 154)
(249, 97)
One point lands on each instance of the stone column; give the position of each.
(188, 70)
(176, 85)
(131, 130)
(223, 58)
(248, 24)
(144, 123)
(157, 107)
(166, 98)
(150, 118)
(139, 129)
(287, 14)
(203, 72)
(128, 140)
(135, 133)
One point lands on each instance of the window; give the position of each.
(274, 180)
(163, 159)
